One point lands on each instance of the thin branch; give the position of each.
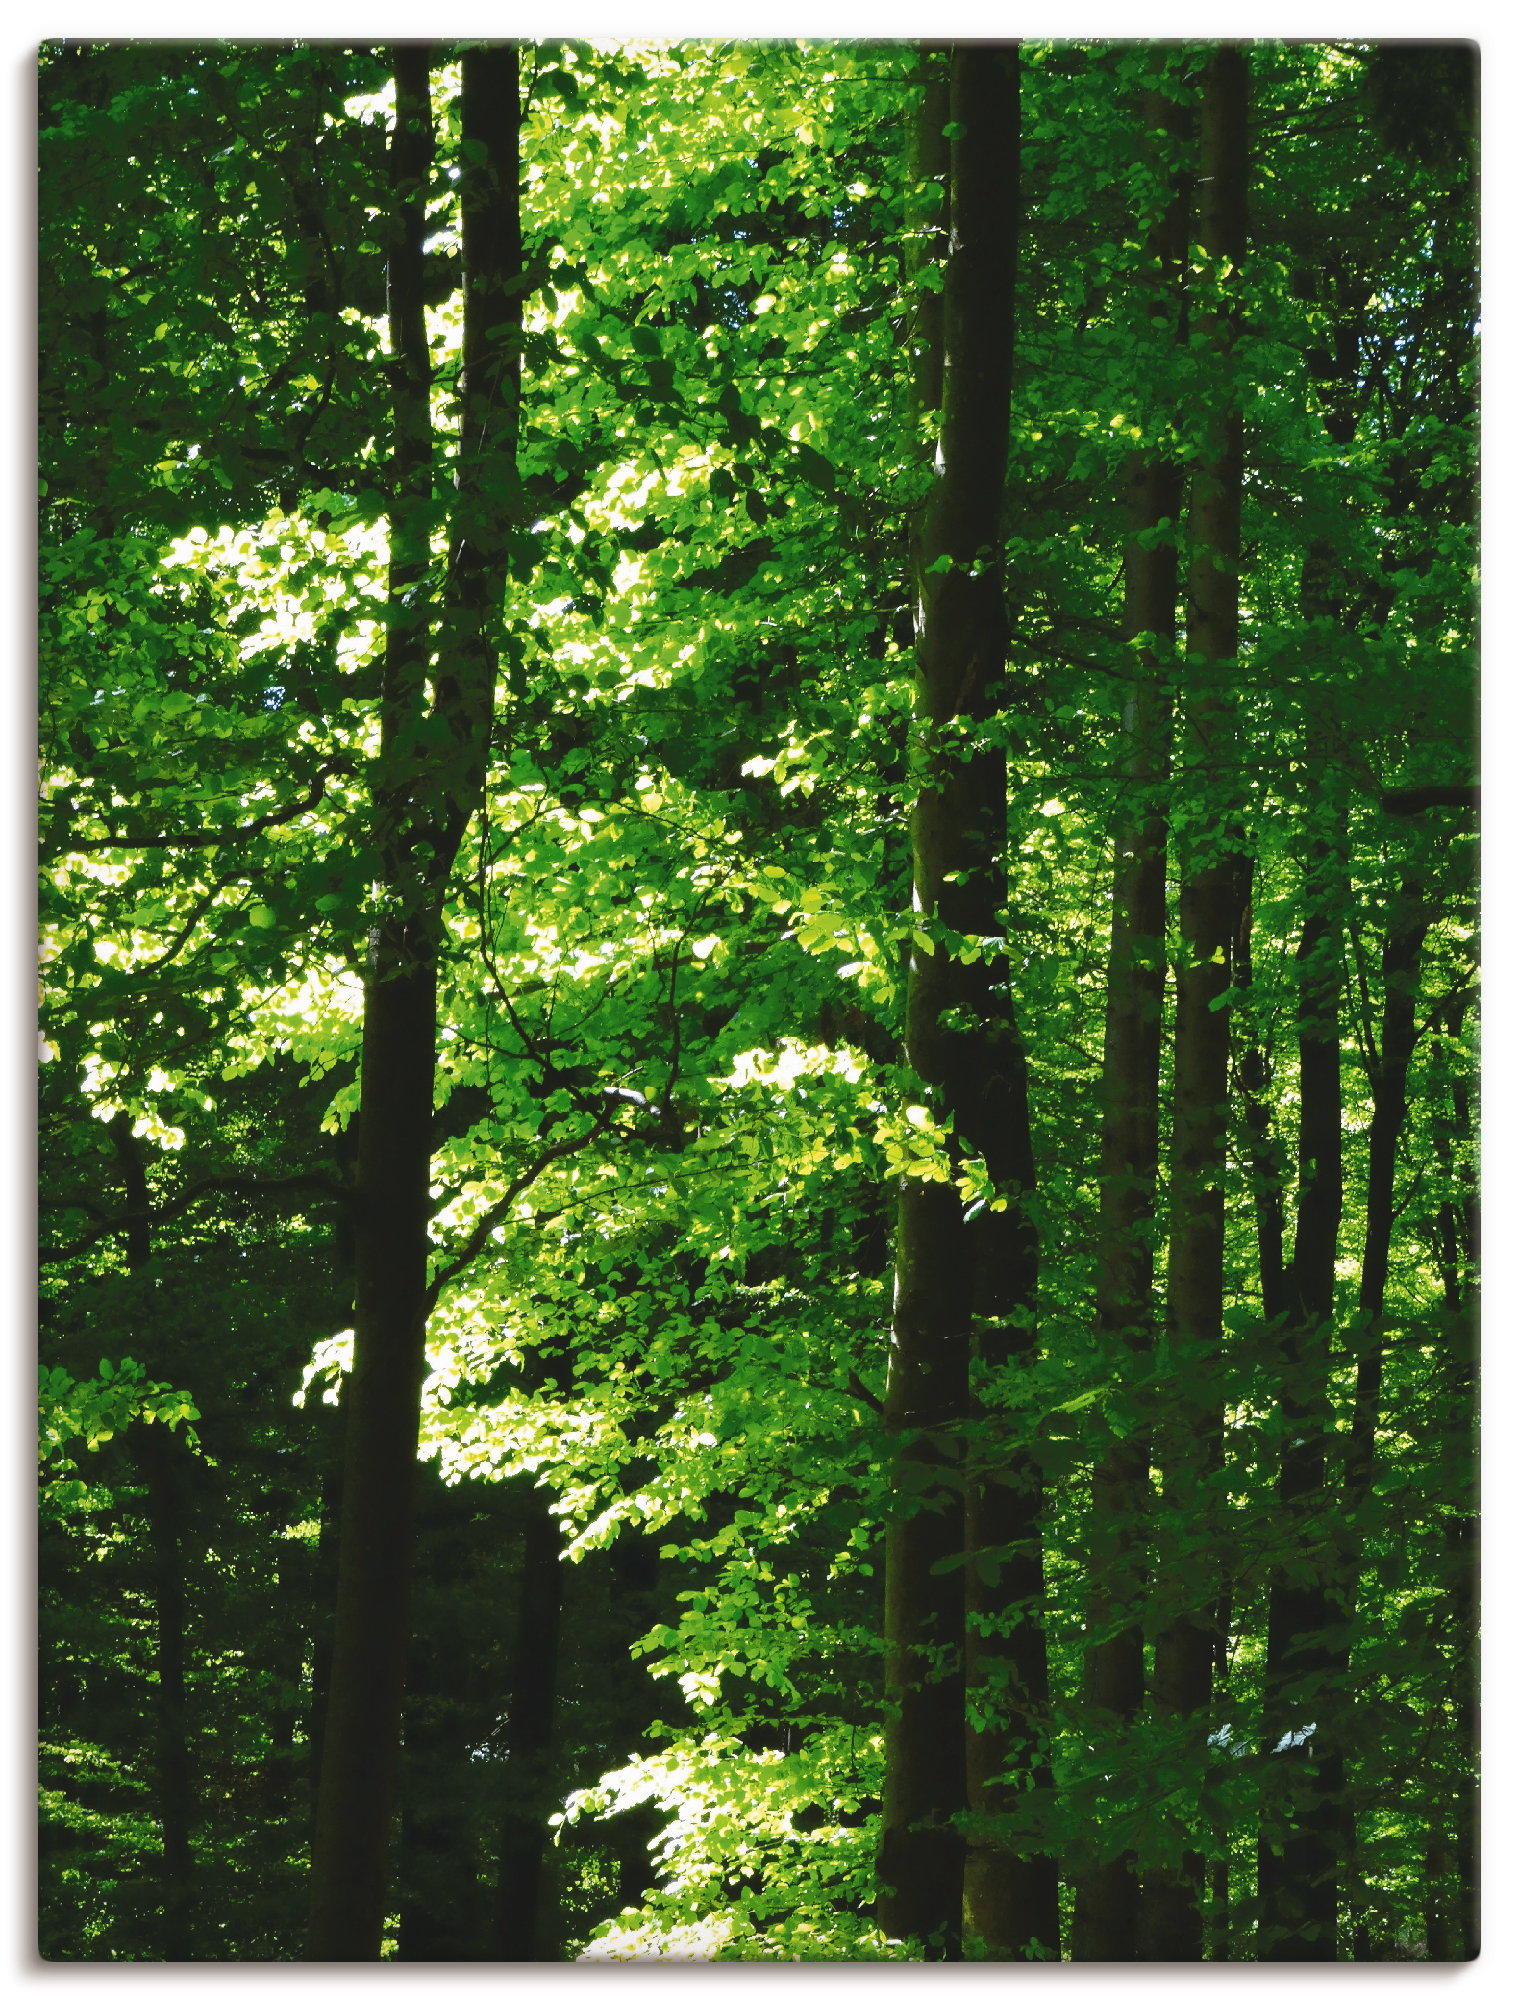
(183, 934)
(218, 836)
(498, 1211)
(1365, 1033)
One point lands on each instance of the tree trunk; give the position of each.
(1188, 1436)
(423, 802)
(1408, 921)
(1106, 1916)
(452, 1701)
(1254, 1070)
(963, 1045)
(1452, 1923)
(524, 1854)
(159, 1458)
(1299, 1902)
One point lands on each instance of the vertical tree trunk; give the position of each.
(1304, 1712)
(1188, 1436)
(361, 1734)
(927, 244)
(1254, 1071)
(1299, 1902)
(1106, 1916)
(325, 1592)
(451, 1706)
(922, 1857)
(1408, 920)
(1012, 1883)
(962, 1043)
(520, 1931)
(1452, 1921)
(159, 1460)
(423, 802)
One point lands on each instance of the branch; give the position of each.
(498, 1211)
(862, 1394)
(219, 836)
(183, 934)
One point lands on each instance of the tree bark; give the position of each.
(1188, 1436)
(452, 1701)
(521, 1933)
(423, 802)
(944, 1618)
(159, 1459)
(1106, 1915)
(1452, 1927)
(1297, 1860)
(1254, 1069)
(1408, 921)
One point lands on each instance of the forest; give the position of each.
(757, 1158)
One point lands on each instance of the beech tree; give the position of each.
(757, 1124)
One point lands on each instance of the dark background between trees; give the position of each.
(757, 1141)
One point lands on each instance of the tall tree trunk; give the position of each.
(451, 1706)
(1408, 920)
(1188, 1436)
(324, 1582)
(524, 1851)
(1452, 1924)
(159, 1459)
(922, 1857)
(962, 1043)
(423, 799)
(1305, 1712)
(1012, 1882)
(1254, 1070)
(1105, 1925)
(1299, 1903)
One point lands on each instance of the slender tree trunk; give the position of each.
(922, 1855)
(1451, 1924)
(1254, 1070)
(521, 1933)
(1408, 921)
(159, 1460)
(1189, 1436)
(325, 1590)
(424, 798)
(1106, 1918)
(1304, 1713)
(361, 1735)
(962, 1042)
(450, 1708)
(1299, 1903)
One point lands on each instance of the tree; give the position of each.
(423, 801)
(1106, 1914)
